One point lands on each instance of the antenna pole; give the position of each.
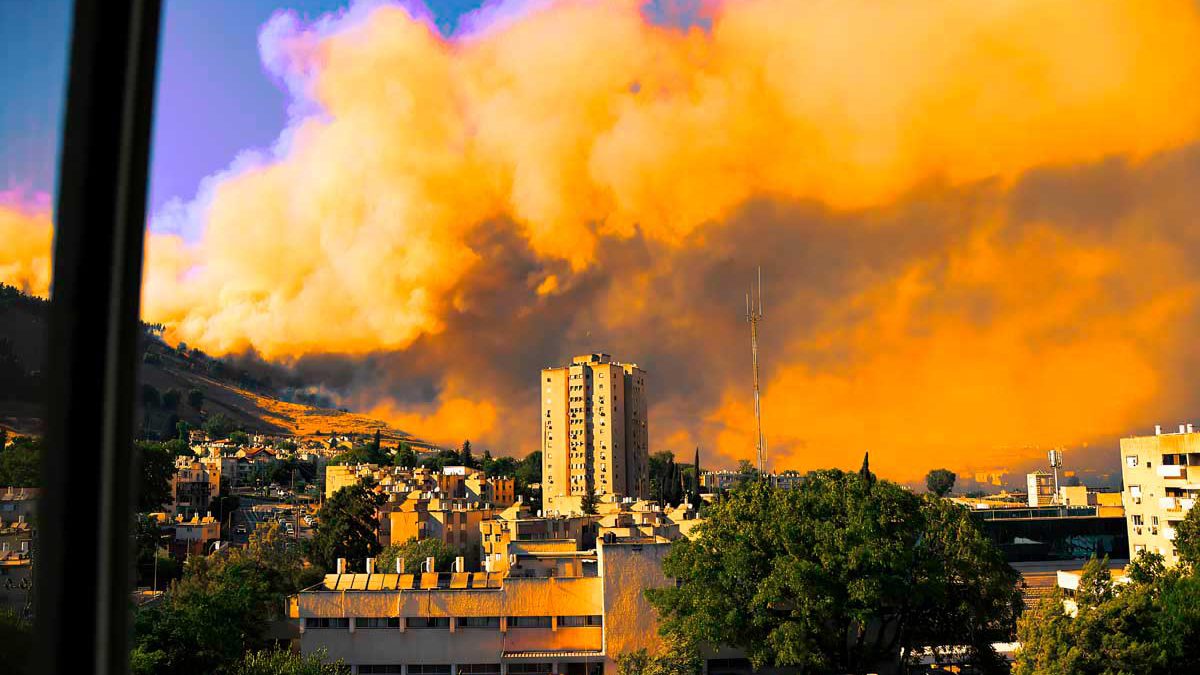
(754, 314)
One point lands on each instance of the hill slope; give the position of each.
(256, 396)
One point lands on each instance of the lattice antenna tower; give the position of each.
(754, 315)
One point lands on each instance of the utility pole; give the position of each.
(754, 314)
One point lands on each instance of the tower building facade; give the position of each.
(594, 432)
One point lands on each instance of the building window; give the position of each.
(580, 621)
(479, 669)
(1131, 461)
(479, 622)
(376, 622)
(429, 669)
(530, 668)
(528, 622)
(385, 669)
(428, 622)
(326, 622)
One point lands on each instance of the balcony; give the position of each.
(1169, 533)
(1169, 503)
(1171, 470)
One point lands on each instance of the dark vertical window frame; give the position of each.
(83, 571)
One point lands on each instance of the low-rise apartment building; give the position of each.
(576, 621)
(1160, 487)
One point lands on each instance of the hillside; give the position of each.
(257, 396)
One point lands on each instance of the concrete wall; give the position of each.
(630, 623)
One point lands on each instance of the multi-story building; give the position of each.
(193, 486)
(1041, 488)
(427, 516)
(1160, 487)
(517, 525)
(594, 432)
(18, 507)
(575, 618)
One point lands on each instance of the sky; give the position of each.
(973, 221)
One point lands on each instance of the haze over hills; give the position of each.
(257, 396)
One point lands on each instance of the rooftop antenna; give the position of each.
(754, 314)
(1056, 459)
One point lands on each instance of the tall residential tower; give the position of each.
(594, 432)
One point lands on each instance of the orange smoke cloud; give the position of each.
(26, 235)
(583, 121)
(1058, 362)
(474, 208)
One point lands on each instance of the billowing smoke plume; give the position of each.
(974, 221)
(25, 237)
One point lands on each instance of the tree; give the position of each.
(464, 455)
(219, 609)
(697, 476)
(588, 504)
(1147, 567)
(1095, 583)
(218, 426)
(181, 430)
(1187, 540)
(940, 481)
(528, 474)
(150, 397)
(280, 661)
(157, 468)
(841, 574)
(239, 438)
(414, 552)
(16, 636)
(375, 444)
(171, 399)
(21, 463)
(501, 466)
(405, 456)
(673, 660)
(666, 478)
(195, 399)
(747, 470)
(346, 527)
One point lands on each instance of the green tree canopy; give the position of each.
(1187, 540)
(346, 528)
(171, 399)
(195, 398)
(414, 552)
(220, 609)
(157, 468)
(279, 661)
(940, 481)
(1149, 626)
(841, 574)
(21, 462)
(405, 456)
(218, 426)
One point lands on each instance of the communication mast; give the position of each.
(754, 314)
(1056, 457)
